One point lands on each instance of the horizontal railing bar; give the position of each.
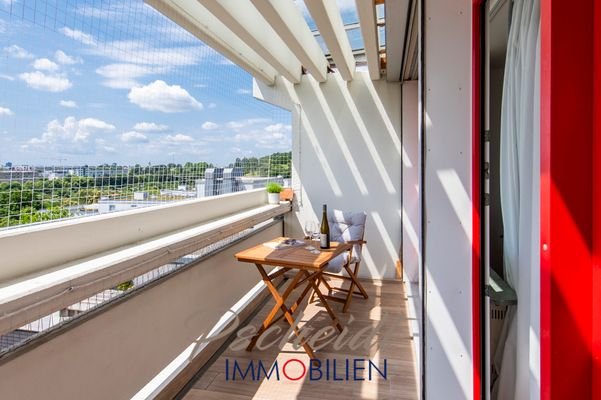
(30, 300)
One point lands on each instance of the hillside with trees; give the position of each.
(43, 199)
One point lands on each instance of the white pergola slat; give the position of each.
(326, 15)
(289, 24)
(196, 19)
(242, 18)
(366, 10)
(397, 10)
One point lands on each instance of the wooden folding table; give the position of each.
(309, 265)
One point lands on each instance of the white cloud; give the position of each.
(134, 137)
(48, 82)
(7, 77)
(108, 10)
(135, 59)
(235, 125)
(123, 76)
(62, 58)
(78, 35)
(103, 146)
(68, 104)
(244, 123)
(346, 5)
(179, 138)
(212, 105)
(15, 51)
(274, 137)
(277, 128)
(176, 34)
(44, 64)
(247, 135)
(208, 126)
(142, 53)
(243, 91)
(71, 136)
(159, 96)
(150, 127)
(6, 112)
(96, 123)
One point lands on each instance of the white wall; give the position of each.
(448, 199)
(412, 229)
(412, 220)
(347, 153)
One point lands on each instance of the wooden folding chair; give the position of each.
(348, 227)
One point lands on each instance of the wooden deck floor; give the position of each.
(384, 311)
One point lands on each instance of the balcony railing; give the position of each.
(182, 279)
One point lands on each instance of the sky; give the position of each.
(93, 82)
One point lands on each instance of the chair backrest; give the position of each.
(346, 226)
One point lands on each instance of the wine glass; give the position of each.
(310, 229)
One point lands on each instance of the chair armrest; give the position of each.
(356, 241)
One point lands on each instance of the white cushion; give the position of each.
(345, 226)
(335, 266)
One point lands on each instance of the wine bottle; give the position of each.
(324, 237)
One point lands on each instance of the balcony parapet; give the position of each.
(40, 277)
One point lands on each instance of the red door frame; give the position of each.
(596, 376)
(477, 331)
(570, 220)
(570, 320)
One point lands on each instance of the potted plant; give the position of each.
(273, 193)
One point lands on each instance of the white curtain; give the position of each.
(516, 359)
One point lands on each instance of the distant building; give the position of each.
(140, 195)
(19, 174)
(230, 180)
(181, 191)
(99, 172)
(106, 205)
(56, 173)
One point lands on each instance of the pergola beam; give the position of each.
(242, 18)
(197, 20)
(366, 10)
(289, 24)
(329, 22)
(397, 11)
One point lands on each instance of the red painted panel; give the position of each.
(476, 228)
(566, 199)
(597, 201)
(545, 189)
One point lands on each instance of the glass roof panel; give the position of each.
(300, 4)
(382, 36)
(350, 18)
(380, 11)
(322, 44)
(348, 11)
(355, 38)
